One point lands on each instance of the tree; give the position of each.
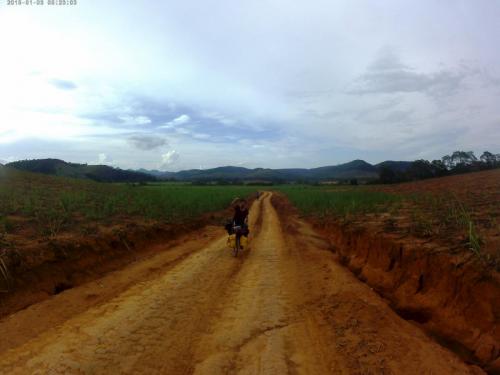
(387, 175)
(448, 162)
(488, 158)
(463, 157)
(439, 168)
(420, 169)
(471, 157)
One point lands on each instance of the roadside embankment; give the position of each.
(40, 268)
(452, 297)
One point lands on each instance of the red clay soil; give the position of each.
(39, 268)
(468, 185)
(453, 299)
(479, 193)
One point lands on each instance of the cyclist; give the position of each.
(240, 217)
(238, 226)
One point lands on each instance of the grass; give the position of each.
(446, 212)
(429, 215)
(6, 225)
(55, 204)
(339, 202)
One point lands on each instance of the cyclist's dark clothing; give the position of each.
(240, 216)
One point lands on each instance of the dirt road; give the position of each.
(284, 306)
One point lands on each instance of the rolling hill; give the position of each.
(102, 173)
(356, 169)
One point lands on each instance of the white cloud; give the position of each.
(201, 136)
(183, 131)
(282, 73)
(169, 158)
(220, 118)
(63, 84)
(389, 75)
(181, 120)
(18, 125)
(103, 159)
(135, 120)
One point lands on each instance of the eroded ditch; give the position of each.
(455, 301)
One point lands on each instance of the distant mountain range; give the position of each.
(102, 173)
(356, 169)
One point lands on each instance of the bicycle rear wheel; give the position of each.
(236, 248)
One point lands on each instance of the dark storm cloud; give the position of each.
(63, 84)
(147, 142)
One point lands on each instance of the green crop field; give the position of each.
(425, 215)
(56, 203)
(337, 201)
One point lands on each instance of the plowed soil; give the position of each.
(283, 306)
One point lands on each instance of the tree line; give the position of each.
(456, 163)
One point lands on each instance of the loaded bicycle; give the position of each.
(237, 228)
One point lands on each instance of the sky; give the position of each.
(175, 85)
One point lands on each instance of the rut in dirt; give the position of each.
(283, 306)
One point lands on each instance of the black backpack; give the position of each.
(229, 227)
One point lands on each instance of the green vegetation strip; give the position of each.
(430, 215)
(55, 203)
(337, 201)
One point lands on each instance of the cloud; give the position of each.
(9, 159)
(219, 117)
(233, 72)
(118, 108)
(180, 120)
(398, 116)
(169, 158)
(147, 142)
(103, 159)
(388, 75)
(134, 120)
(183, 131)
(63, 84)
(201, 136)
